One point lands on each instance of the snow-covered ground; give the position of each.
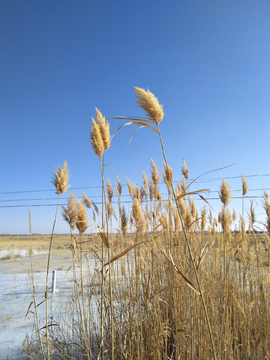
(16, 294)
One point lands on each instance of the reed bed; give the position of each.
(166, 286)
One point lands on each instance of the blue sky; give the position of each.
(208, 63)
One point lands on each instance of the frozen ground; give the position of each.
(16, 295)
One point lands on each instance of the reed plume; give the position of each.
(145, 183)
(203, 219)
(150, 104)
(184, 170)
(183, 188)
(154, 173)
(156, 179)
(70, 213)
(82, 221)
(251, 215)
(60, 179)
(244, 185)
(225, 193)
(87, 202)
(119, 186)
(95, 207)
(97, 141)
(124, 221)
(167, 175)
(110, 191)
(234, 216)
(266, 207)
(137, 215)
(135, 192)
(129, 188)
(104, 127)
(188, 219)
(225, 219)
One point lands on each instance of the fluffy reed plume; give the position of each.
(176, 220)
(225, 193)
(151, 189)
(142, 193)
(154, 173)
(193, 209)
(137, 215)
(145, 184)
(251, 215)
(97, 141)
(95, 207)
(182, 207)
(167, 175)
(210, 217)
(266, 207)
(110, 191)
(70, 213)
(104, 127)
(82, 221)
(110, 210)
(234, 216)
(149, 103)
(156, 179)
(124, 221)
(188, 219)
(203, 218)
(225, 219)
(244, 185)
(94, 215)
(87, 202)
(135, 192)
(183, 188)
(129, 188)
(60, 179)
(184, 170)
(119, 186)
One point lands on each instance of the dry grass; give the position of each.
(170, 289)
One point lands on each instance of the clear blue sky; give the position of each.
(207, 61)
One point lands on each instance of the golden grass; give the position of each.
(170, 289)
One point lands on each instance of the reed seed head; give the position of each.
(167, 175)
(234, 216)
(150, 104)
(95, 207)
(97, 141)
(129, 188)
(251, 214)
(183, 188)
(104, 127)
(145, 183)
(86, 201)
(184, 170)
(70, 213)
(188, 219)
(110, 191)
(82, 221)
(124, 221)
(203, 218)
(244, 185)
(225, 192)
(154, 173)
(119, 186)
(137, 215)
(60, 179)
(151, 189)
